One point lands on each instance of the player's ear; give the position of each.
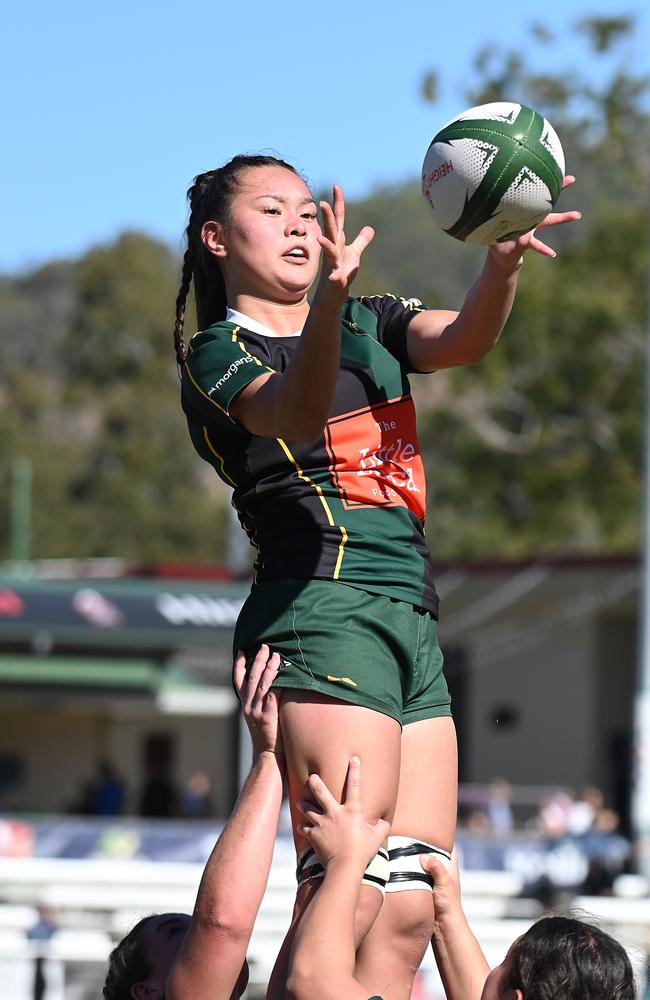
(213, 238)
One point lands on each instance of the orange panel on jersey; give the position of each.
(375, 457)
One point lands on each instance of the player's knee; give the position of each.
(412, 924)
(404, 934)
(410, 894)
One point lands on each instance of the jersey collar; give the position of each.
(241, 319)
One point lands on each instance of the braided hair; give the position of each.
(127, 964)
(210, 197)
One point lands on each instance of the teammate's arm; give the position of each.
(323, 955)
(296, 403)
(441, 339)
(461, 963)
(211, 957)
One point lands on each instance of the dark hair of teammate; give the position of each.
(210, 197)
(564, 957)
(127, 964)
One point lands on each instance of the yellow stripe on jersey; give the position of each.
(306, 479)
(245, 350)
(339, 558)
(197, 386)
(256, 360)
(216, 454)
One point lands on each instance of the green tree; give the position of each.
(113, 470)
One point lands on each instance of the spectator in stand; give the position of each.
(196, 796)
(499, 809)
(553, 816)
(109, 791)
(608, 852)
(583, 811)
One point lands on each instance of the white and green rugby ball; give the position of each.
(493, 173)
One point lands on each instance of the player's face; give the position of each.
(496, 985)
(270, 247)
(164, 937)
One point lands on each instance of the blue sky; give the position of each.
(109, 110)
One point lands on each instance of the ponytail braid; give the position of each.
(181, 299)
(210, 197)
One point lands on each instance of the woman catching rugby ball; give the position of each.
(303, 408)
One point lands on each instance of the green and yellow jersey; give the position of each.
(348, 507)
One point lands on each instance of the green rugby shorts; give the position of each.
(343, 642)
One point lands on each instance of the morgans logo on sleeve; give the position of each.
(244, 360)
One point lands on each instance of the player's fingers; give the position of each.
(255, 672)
(557, 218)
(327, 244)
(542, 248)
(239, 674)
(329, 221)
(307, 805)
(331, 251)
(363, 239)
(353, 783)
(568, 180)
(267, 677)
(433, 866)
(321, 792)
(338, 204)
(382, 826)
(311, 814)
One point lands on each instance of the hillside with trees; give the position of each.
(537, 449)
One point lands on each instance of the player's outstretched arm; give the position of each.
(210, 961)
(296, 403)
(462, 965)
(323, 955)
(443, 339)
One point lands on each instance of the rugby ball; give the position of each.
(493, 173)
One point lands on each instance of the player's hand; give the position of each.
(338, 830)
(259, 703)
(446, 884)
(340, 261)
(508, 255)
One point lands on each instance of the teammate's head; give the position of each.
(562, 957)
(210, 197)
(139, 965)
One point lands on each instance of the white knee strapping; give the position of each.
(405, 869)
(376, 874)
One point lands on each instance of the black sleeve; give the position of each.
(393, 317)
